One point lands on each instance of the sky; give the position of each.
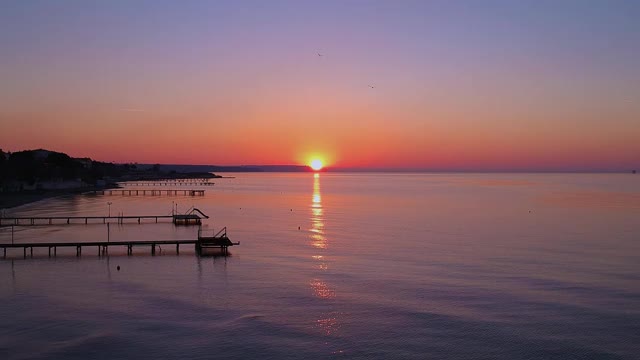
(433, 85)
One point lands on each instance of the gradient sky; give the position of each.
(480, 85)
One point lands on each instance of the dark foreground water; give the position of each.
(402, 266)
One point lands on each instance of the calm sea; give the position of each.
(357, 266)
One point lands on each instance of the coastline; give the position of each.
(10, 200)
(14, 199)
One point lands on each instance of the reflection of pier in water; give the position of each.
(328, 323)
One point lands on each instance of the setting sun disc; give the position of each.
(316, 164)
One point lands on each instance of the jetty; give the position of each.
(192, 217)
(218, 240)
(145, 192)
(168, 183)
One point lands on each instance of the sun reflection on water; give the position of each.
(318, 240)
(322, 290)
(328, 323)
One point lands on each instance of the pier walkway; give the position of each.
(190, 218)
(219, 241)
(154, 192)
(168, 183)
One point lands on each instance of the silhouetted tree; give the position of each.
(3, 169)
(23, 166)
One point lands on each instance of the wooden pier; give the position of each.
(192, 217)
(219, 241)
(169, 183)
(145, 192)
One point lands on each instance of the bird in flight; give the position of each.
(320, 54)
(373, 87)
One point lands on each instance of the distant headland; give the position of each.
(31, 175)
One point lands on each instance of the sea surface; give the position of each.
(354, 266)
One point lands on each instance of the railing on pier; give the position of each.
(193, 210)
(202, 233)
(216, 240)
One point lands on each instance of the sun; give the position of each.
(316, 164)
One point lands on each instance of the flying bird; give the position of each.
(320, 54)
(373, 87)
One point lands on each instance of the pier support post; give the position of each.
(153, 249)
(31, 250)
(177, 249)
(24, 252)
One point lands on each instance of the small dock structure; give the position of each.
(214, 240)
(193, 217)
(149, 192)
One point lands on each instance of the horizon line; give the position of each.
(306, 168)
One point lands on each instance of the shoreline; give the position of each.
(14, 199)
